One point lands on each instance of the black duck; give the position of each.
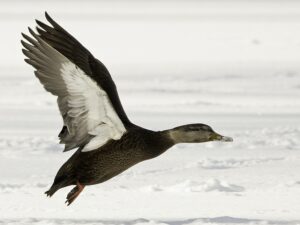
(95, 122)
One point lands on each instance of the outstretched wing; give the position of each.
(87, 96)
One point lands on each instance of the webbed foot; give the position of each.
(73, 194)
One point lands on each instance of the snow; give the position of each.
(233, 65)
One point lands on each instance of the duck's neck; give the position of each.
(176, 135)
(160, 142)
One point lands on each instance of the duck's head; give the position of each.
(196, 133)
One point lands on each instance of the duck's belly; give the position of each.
(99, 166)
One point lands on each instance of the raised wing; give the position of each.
(66, 44)
(92, 114)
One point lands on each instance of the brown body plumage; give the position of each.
(94, 120)
(95, 167)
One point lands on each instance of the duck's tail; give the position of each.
(52, 190)
(64, 177)
(59, 182)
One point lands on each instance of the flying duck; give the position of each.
(95, 122)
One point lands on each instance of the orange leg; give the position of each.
(73, 194)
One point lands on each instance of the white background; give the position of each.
(234, 65)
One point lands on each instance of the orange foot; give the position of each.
(73, 194)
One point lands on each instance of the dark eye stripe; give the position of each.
(193, 129)
(197, 128)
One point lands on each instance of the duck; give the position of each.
(95, 124)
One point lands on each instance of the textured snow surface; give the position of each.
(234, 65)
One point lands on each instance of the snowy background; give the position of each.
(234, 65)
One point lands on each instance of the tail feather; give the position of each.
(52, 190)
(59, 182)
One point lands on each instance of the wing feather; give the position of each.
(87, 111)
(61, 40)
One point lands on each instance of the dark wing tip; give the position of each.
(31, 40)
(53, 23)
(24, 36)
(25, 44)
(37, 21)
(30, 30)
(47, 16)
(33, 33)
(27, 61)
(43, 25)
(25, 52)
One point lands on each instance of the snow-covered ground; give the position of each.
(234, 65)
